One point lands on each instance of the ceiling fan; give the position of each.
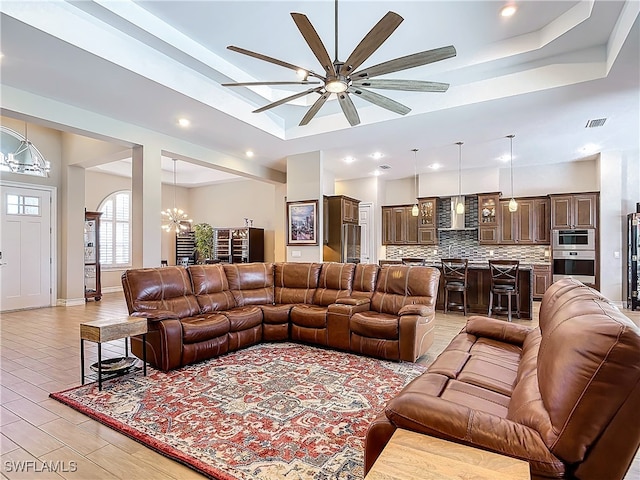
(343, 78)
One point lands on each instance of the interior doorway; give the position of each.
(367, 245)
(26, 246)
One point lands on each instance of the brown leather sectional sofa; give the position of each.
(203, 311)
(564, 397)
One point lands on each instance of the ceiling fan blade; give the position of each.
(380, 100)
(406, 85)
(275, 61)
(313, 40)
(251, 84)
(288, 99)
(371, 42)
(349, 109)
(404, 63)
(314, 108)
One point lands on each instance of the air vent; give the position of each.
(598, 122)
(384, 167)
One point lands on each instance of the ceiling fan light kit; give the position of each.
(343, 78)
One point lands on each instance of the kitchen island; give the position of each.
(479, 283)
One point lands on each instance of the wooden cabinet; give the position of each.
(528, 225)
(488, 223)
(344, 208)
(542, 278)
(399, 227)
(579, 210)
(92, 285)
(428, 221)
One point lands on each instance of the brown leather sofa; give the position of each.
(564, 397)
(203, 311)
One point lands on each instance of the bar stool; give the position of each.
(454, 272)
(504, 281)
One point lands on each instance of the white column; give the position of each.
(146, 186)
(611, 225)
(71, 291)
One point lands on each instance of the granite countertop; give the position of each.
(480, 264)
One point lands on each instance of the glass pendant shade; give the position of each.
(415, 210)
(460, 203)
(513, 205)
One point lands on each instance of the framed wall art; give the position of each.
(302, 222)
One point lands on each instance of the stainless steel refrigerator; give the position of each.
(343, 243)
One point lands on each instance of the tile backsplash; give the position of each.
(464, 244)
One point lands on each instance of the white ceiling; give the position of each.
(540, 75)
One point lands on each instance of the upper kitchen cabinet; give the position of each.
(528, 225)
(428, 221)
(399, 227)
(345, 208)
(579, 210)
(488, 221)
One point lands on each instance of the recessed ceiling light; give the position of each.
(508, 10)
(249, 153)
(504, 158)
(435, 166)
(348, 159)
(184, 122)
(376, 173)
(377, 155)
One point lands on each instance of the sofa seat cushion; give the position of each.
(204, 327)
(498, 377)
(276, 314)
(375, 325)
(476, 398)
(498, 352)
(244, 318)
(310, 316)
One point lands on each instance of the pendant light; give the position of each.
(175, 218)
(25, 159)
(415, 210)
(513, 205)
(460, 203)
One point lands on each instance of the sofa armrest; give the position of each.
(415, 309)
(445, 419)
(352, 301)
(497, 329)
(156, 315)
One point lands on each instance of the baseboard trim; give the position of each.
(70, 302)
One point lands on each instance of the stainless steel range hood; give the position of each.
(457, 219)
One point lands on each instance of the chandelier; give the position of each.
(19, 155)
(175, 219)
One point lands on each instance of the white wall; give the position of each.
(228, 204)
(570, 177)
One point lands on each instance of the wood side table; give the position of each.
(414, 456)
(101, 331)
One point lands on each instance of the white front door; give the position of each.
(25, 248)
(366, 233)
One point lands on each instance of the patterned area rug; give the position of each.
(270, 411)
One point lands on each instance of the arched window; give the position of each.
(115, 230)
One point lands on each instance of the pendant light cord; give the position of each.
(511, 160)
(415, 172)
(459, 168)
(174, 183)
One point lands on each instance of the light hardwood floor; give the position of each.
(40, 353)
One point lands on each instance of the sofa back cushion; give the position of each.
(211, 288)
(251, 283)
(588, 367)
(364, 280)
(400, 285)
(296, 282)
(336, 280)
(166, 288)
